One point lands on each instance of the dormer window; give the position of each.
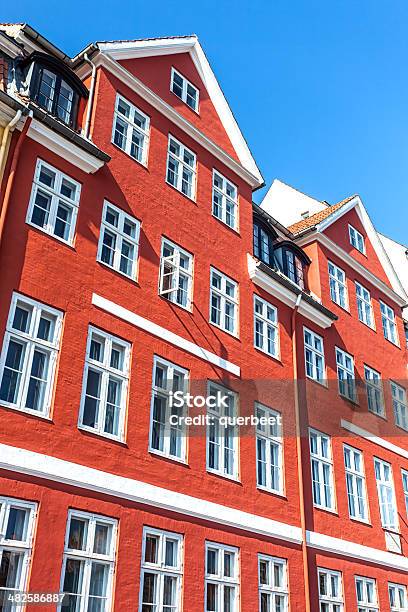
(263, 244)
(184, 90)
(294, 269)
(292, 261)
(55, 95)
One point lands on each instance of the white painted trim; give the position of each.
(58, 470)
(61, 146)
(367, 435)
(358, 552)
(285, 295)
(165, 46)
(353, 263)
(164, 334)
(255, 180)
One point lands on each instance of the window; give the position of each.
(266, 332)
(294, 268)
(29, 356)
(388, 323)
(176, 274)
(225, 200)
(398, 597)
(166, 439)
(223, 302)
(55, 95)
(364, 307)
(54, 202)
(181, 168)
(345, 375)
(399, 403)
(356, 239)
(221, 578)
(366, 591)
(314, 356)
(119, 240)
(130, 130)
(273, 584)
(184, 90)
(269, 450)
(322, 470)
(89, 562)
(386, 494)
(330, 591)
(356, 484)
(162, 571)
(405, 488)
(375, 395)
(16, 535)
(338, 285)
(222, 441)
(263, 244)
(104, 391)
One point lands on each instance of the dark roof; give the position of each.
(313, 220)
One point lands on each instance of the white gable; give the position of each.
(287, 205)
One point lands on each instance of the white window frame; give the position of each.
(397, 590)
(266, 329)
(404, 474)
(400, 405)
(106, 371)
(160, 569)
(374, 388)
(171, 369)
(120, 237)
(88, 556)
(387, 507)
(32, 342)
(176, 273)
(220, 579)
(130, 126)
(181, 164)
(357, 237)
(345, 374)
(338, 285)
(271, 436)
(321, 461)
(271, 590)
(225, 197)
(315, 356)
(224, 301)
(220, 441)
(185, 85)
(364, 605)
(356, 498)
(364, 305)
(329, 601)
(389, 324)
(56, 197)
(24, 547)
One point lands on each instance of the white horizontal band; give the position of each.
(164, 334)
(58, 470)
(363, 433)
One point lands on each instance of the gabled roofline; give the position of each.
(121, 50)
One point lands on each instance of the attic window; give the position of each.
(356, 239)
(305, 215)
(184, 90)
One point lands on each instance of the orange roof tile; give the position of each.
(303, 224)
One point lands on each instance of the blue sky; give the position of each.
(319, 88)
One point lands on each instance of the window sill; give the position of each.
(373, 328)
(323, 509)
(27, 412)
(393, 343)
(277, 359)
(104, 436)
(271, 492)
(142, 164)
(379, 416)
(190, 310)
(190, 199)
(343, 308)
(59, 240)
(324, 385)
(236, 336)
(224, 476)
(121, 274)
(235, 230)
(160, 455)
(354, 402)
(360, 521)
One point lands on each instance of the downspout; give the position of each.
(91, 97)
(6, 133)
(10, 180)
(299, 456)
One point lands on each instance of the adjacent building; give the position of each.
(134, 264)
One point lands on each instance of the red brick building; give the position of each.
(133, 264)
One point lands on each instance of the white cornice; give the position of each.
(164, 334)
(353, 263)
(175, 117)
(285, 295)
(10, 47)
(367, 435)
(63, 147)
(77, 475)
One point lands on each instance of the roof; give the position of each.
(313, 220)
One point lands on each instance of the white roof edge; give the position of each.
(165, 46)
